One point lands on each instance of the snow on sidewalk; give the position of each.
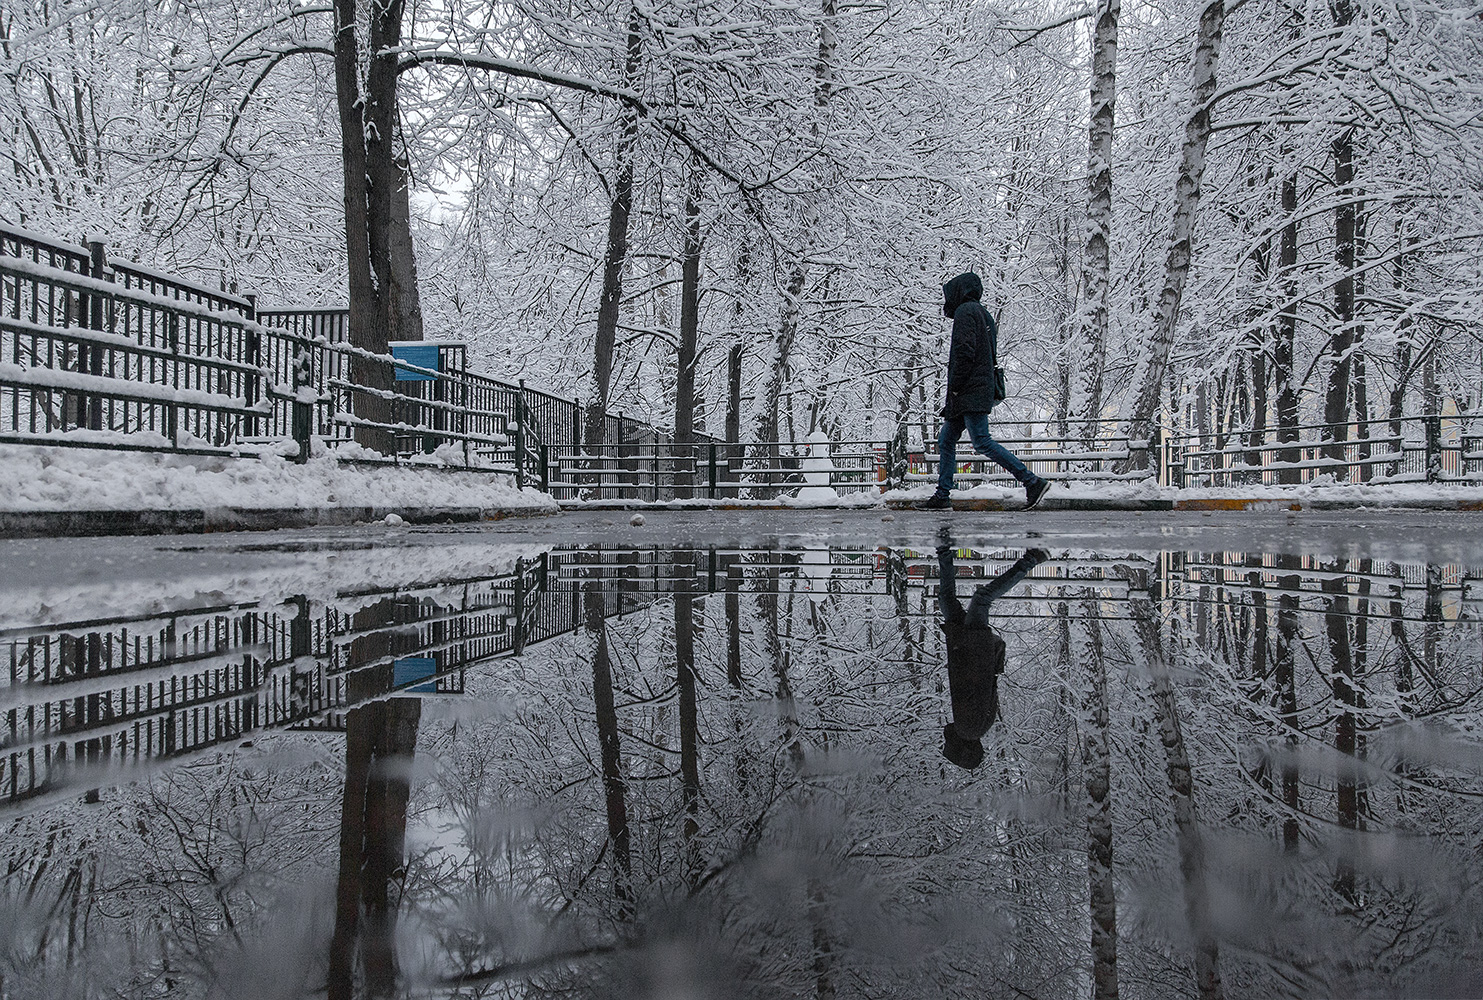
(1324, 490)
(40, 479)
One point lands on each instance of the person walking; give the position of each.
(972, 391)
(975, 654)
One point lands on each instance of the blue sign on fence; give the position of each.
(422, 355)
(414, 668)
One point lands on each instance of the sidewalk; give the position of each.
(1110, 497)
(54, 491)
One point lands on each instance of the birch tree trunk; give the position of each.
(770, 423)
(1096, 759)
(1096, 262)
(1150, 378)
(1182, 796)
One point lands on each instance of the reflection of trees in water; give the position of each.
(768, 765)
(380, 740)
(1334, 717)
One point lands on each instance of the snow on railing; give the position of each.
(143, 359)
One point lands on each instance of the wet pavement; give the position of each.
(777, 754)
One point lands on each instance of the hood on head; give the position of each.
(966, 287)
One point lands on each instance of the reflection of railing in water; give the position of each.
(120, 690)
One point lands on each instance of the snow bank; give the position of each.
(1323, 490)
(39, 478)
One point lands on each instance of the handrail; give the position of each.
(153, 277)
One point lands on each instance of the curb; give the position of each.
(91, 523)
(1083, 504)
(1276, 504)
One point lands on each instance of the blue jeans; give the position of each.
(976, 615)
(978, 432)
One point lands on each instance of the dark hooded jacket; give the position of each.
(975, 348)
(975, 658)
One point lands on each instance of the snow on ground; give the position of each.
(38, 478)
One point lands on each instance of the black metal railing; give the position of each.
(1429, 448)
(660, 470)
(99, 353)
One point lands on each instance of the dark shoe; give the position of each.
(1034, 491)
(937, 501)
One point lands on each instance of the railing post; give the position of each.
(618, 467)
(252, 391)
(545, 470)
(94, 352)
(521, 412)
(1433, 447)
(302, 412)
(713, 469)
(520, 438)
(172, 412)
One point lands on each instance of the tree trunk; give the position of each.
(689, 723)
(1096, 757)
(1287, 326)
(615, 256)
(1181, 231)
(1256, 429)
(406, 303)
(1405, 367)
(769, 428)
(614, 786)
(1096, 261)
(1360, 390)
(1341, 343)
(380, 739)
(377, 235)
(1182, 796)
(689, 332)
(733, 417)
(1289, 637)
(771, 419)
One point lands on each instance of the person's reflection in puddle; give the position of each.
(975, 654)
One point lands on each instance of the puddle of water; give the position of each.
(710, 772)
